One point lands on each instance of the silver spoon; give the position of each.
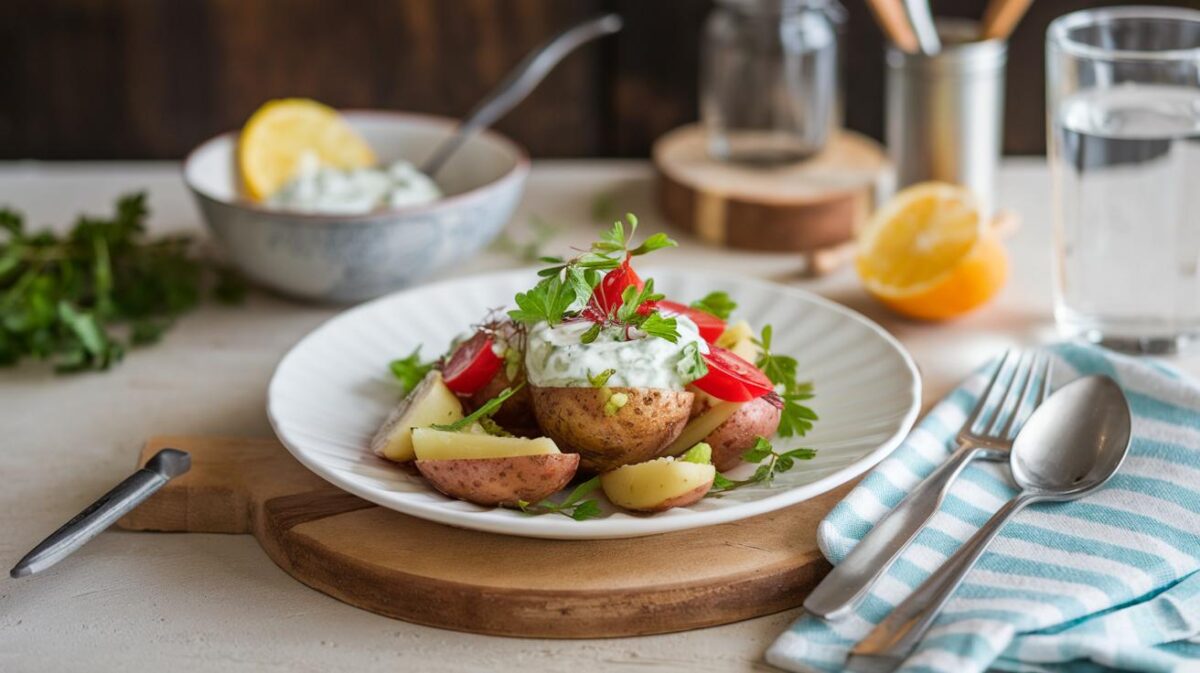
(1072, 445)
(520, 83)
(161, 468)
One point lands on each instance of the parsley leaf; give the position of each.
(573, 505)
(656, 325)
(547, 301)
(691, 365)
(410, 370)
(716, 303)
(776, 463)
(796, 419)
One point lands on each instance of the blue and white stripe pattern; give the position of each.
(1108, 581)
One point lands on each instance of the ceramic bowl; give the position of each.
(349, 258)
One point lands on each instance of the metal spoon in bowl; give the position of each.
(520, 83)
(1071, 445)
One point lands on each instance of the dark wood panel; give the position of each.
(101, 79)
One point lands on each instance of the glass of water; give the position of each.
(1123, 108)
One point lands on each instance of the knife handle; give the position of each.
(101, 514)
(849, 581)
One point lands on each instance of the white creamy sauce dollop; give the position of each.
(555, 357)
(323, 189)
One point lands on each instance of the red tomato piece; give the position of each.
(606, 298)
(731, 378)
(472, 365)
(711, 327)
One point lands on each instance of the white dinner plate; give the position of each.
(333, 389)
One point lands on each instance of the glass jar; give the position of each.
(769, 79)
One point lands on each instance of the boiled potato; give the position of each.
(501, 481)
(658, 485)
(430, 444)
(708, 413)
(739, 338)
(578, 421)
(736, 436)
(516, 414)
(431, 402)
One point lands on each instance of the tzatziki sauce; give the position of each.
(555, 356)
(324, 189)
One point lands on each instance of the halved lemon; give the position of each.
(929, 253)
(281, 132)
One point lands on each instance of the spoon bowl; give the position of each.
(1074, 442)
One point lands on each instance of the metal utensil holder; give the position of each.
(945, 112)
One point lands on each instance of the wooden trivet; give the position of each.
(410, 569)
(813, 207)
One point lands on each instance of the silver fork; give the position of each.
(987, 434)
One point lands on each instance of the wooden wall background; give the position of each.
(149, 79)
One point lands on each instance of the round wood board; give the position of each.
(812, 205)
(422, 572)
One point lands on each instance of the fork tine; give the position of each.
(1021, 412)
(1046, 375)
(1011, 400)
(980, 405)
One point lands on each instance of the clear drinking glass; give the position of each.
(768, 84)
(1123, 111)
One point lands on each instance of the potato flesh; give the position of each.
(702, 426)
(648, 486)
(739, 339)
(430, 403)
(430, 444)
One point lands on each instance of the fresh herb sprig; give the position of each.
(410, 370)
(566, 284)
(483, 413)
(776, 463)
(540, 232)
(573, 505)
(795, 418)
(717, 303)
(81, 298)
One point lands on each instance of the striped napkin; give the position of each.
(1108, 581)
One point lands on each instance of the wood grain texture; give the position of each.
(409, 569)
(813, 205)
(121, 79)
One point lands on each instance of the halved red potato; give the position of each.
(607, 436)
(429, 403)
(658, 485)
(489, 470)
(495, 482)
(734, 437)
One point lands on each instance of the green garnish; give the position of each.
(795, 419)
(410, 370)
(777, 463)
(485, 411)
(614, 403)
(573, 505)
(691, 365)
(541, 232)
(62, 296)
(716, 303)
(566, 285)
(591, 334)
(700, 453)
(600, 380)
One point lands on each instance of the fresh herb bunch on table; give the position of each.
(80, 298)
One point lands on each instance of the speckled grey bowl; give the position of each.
(349, 258)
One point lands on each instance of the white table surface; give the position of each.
(135, 601)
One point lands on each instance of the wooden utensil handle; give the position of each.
(1001, 17)
(894, 23)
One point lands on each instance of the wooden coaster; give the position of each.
(810, 206)
(410, 569)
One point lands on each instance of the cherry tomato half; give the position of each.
(711, 327)
(731, 378)
(606, 298)
(472, 365)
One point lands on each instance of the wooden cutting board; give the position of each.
(410, 569)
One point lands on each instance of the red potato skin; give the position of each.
(683, 500)
(574, 418)
(731, 439)
(495, 482)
